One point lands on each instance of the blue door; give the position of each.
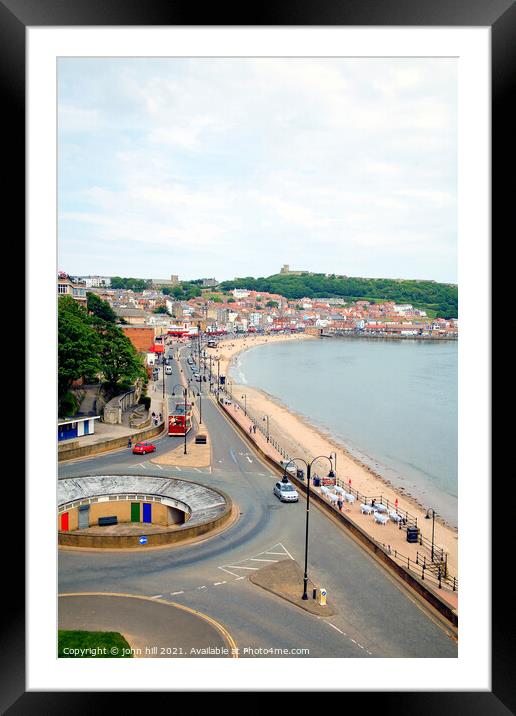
(147, 512)
(86, 427)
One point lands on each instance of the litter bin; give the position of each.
(413, 534)
(317, 481)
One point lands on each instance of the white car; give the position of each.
(168, 369)
(286, 492)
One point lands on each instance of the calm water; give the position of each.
(392, 403)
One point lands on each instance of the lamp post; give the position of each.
(308, 474)
(427, 517)
(199, 394)
(266, 417)
(245, 404)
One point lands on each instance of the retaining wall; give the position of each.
(174, 536)
(69, 452)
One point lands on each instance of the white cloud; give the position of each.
(250, 158)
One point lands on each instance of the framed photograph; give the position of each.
(315, 186)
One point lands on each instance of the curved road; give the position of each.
(375, 616)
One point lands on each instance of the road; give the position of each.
(375, 615)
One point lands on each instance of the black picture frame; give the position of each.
(500, 16)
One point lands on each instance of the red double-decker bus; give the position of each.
(180, 423)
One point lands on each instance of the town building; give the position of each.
(67, 287)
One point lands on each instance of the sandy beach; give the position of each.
(300, 439)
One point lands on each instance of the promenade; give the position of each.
(389, 536)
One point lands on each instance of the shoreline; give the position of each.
(301, 438)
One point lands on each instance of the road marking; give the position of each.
(255, 559)
(254, 569)
(247, 456)
(335, 627)
(157, 596)
(174, 593)
(177, 468)
(233, 456)
(158, 465)
(216, 584)
(196, 468)
(203, 587)
(230, 572)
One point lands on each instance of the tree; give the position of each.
(100, 308)
(78, 345)
(161, 309)
(272, 304)
(120, 363)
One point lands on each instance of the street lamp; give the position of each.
(427, 517)
(308, 473)
(266, 417)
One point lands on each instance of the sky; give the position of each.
(226, 167)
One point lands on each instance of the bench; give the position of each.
(111, 520)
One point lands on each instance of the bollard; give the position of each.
(322, 598)
(314, 593)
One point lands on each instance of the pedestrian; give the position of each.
(160, 418)
(250, 429)
(153, 414)
(339, 504)
(254, 428)
(129, 443)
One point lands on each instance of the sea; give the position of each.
(391, 403)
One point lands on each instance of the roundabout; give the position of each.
(115, 511)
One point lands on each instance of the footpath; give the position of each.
(389, 537)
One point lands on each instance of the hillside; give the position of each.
(438, 299)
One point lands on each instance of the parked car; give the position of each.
(286, 492)
(168, 369)
(143, 448)
(293, 470)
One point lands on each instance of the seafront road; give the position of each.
(375, 616)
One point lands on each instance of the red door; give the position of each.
(64, 522)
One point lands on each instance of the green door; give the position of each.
(135, 511)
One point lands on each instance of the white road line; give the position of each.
(140, 464)
(203, 587)
(239, 578)
(210, 469)
(229, 571)
(255, 569)
(157, 596)
(255, 559)
(335, 627)
(286, 550)
(216, 584)
(196, 468)
(177, 468)
(155, 463)
(174, 593)
(248, 458)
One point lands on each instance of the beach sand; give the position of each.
(301, 439)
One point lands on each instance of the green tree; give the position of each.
(120, 363)
(78, 345)
(100, 308)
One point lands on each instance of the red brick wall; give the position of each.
(141, 338)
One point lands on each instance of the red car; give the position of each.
(143, 448)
